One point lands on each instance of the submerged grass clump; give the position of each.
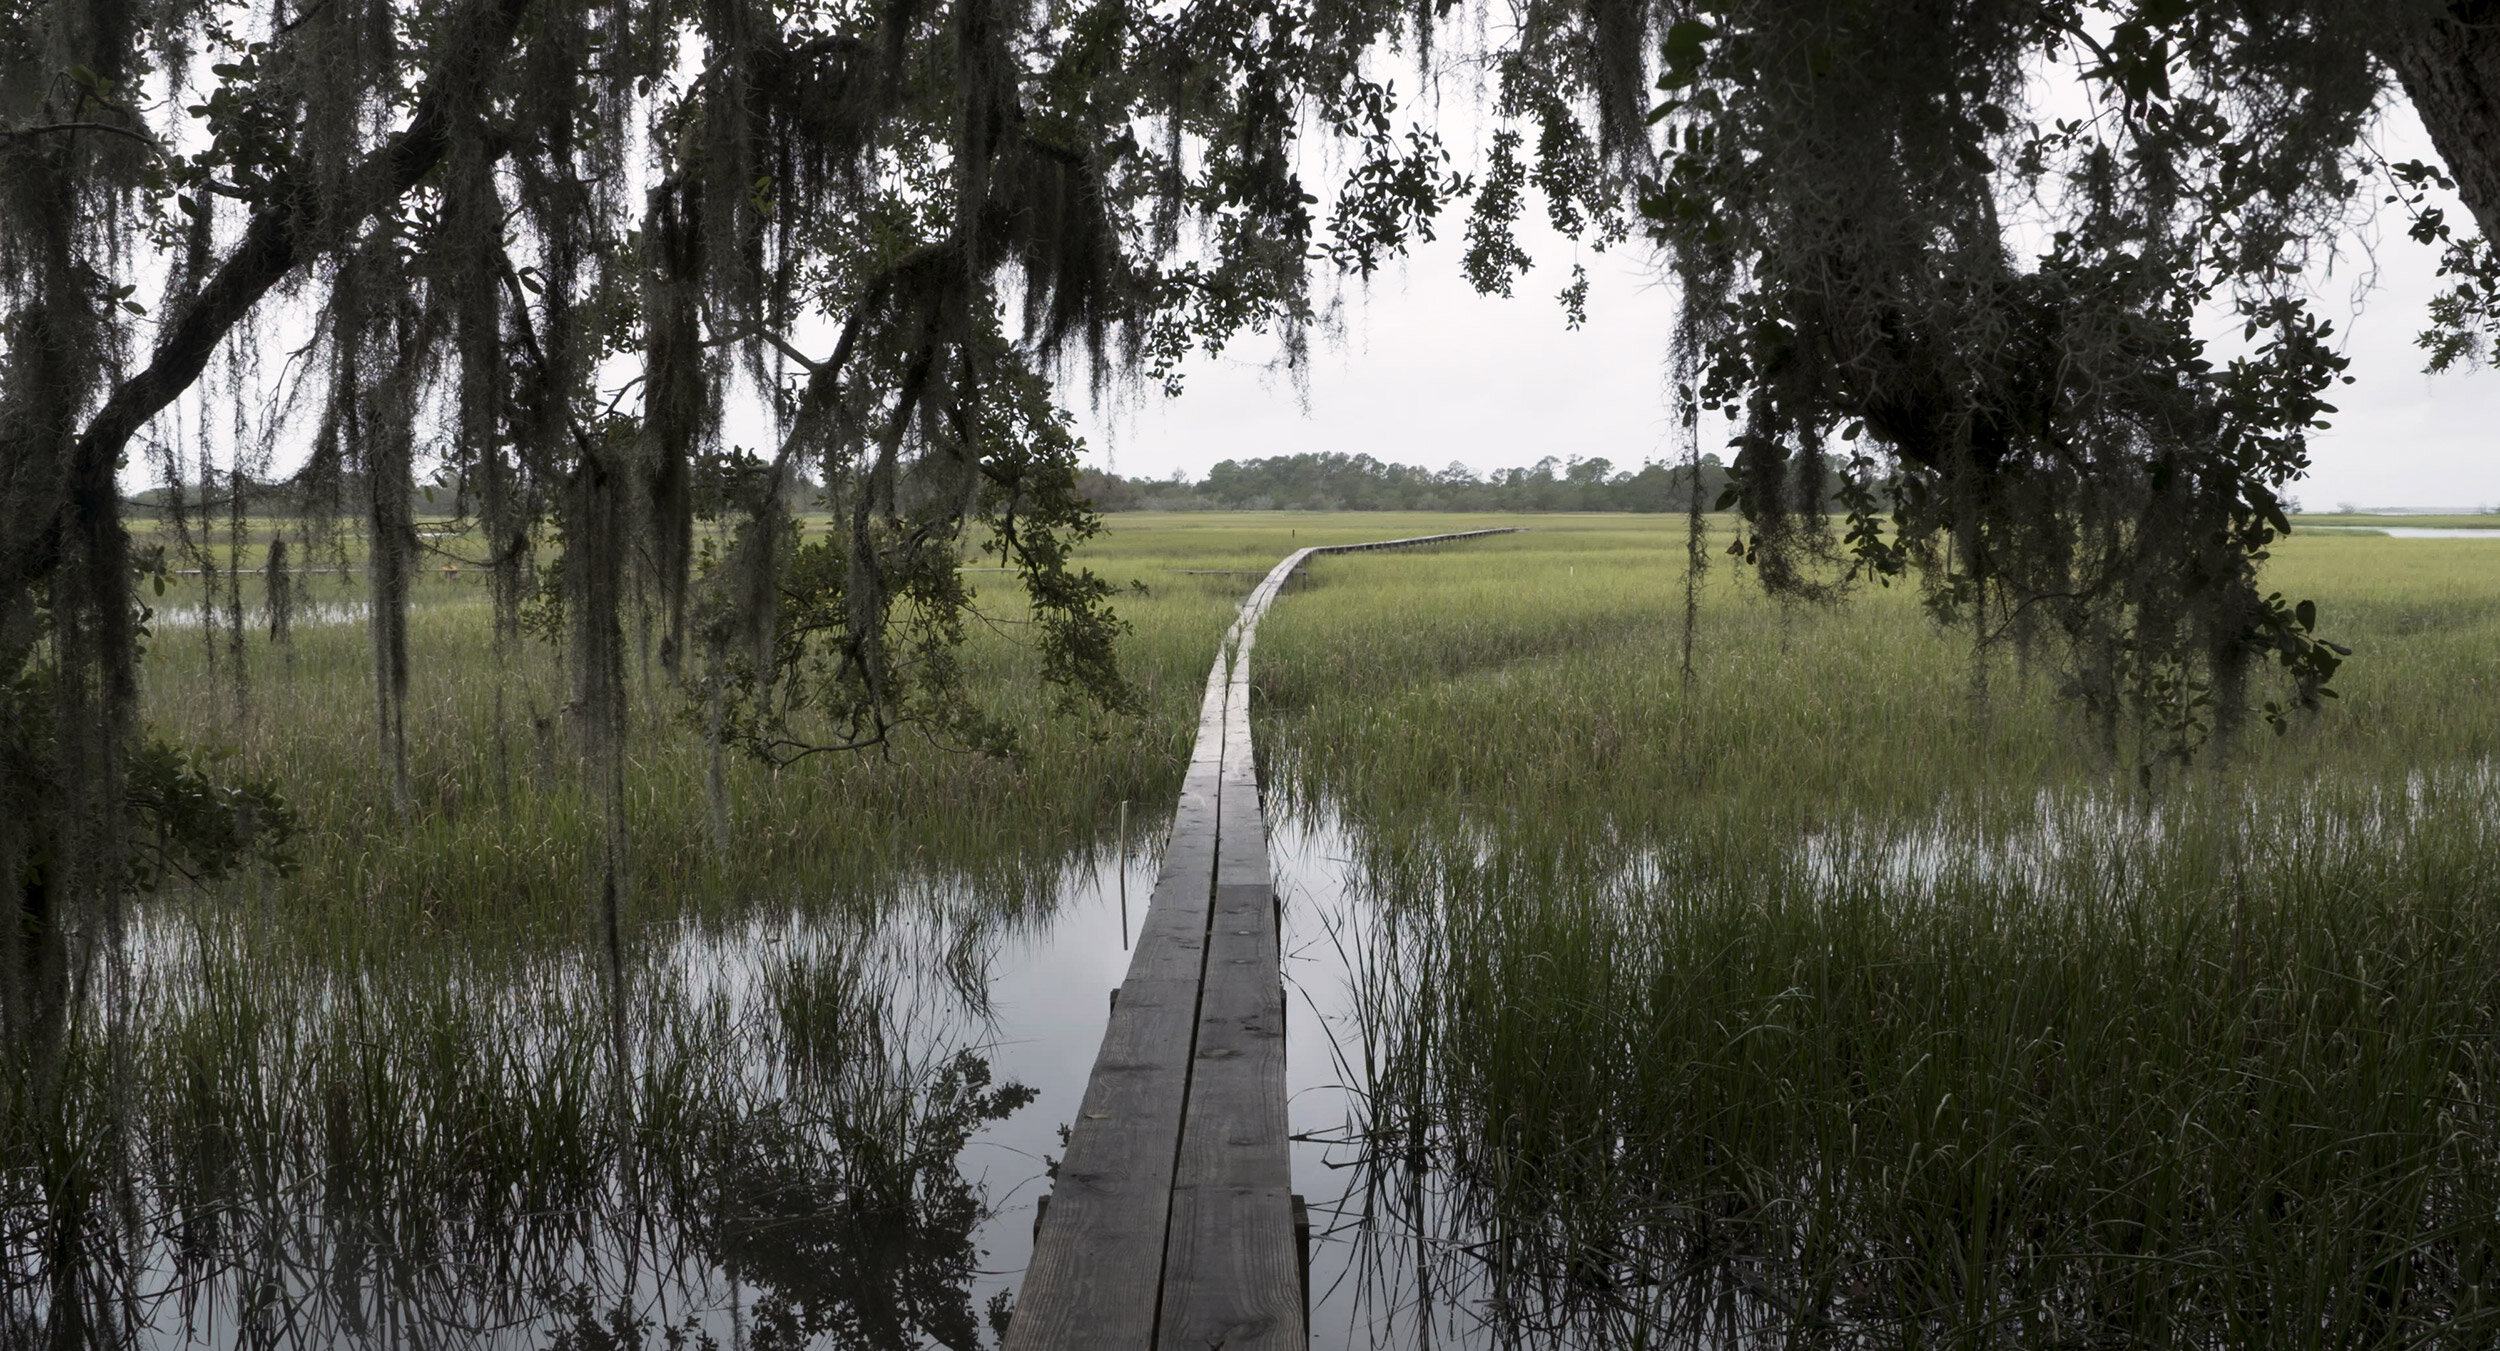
(282, 1156)
(2147, 1096)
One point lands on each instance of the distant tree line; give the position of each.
(1339, 482)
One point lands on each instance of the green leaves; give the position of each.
(2465, 317)
(196, 822)
(1684, 48)
(1392, 195)
(95, 85)
(1494, 258)
(2310, 662)
(2047, 438)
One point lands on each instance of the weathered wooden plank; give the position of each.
(1284, 571)
(1412, 541)
(1231, 1274)
(1096, 1275)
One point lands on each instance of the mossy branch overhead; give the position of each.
(550, 243)
(492, 212)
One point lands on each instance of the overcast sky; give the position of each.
(1426, 372)
(1418, 369)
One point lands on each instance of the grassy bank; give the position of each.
(500, 835)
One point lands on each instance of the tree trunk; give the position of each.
(2449, 64)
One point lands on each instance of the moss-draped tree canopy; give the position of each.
(544, 241)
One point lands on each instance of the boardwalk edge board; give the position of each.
(1172, 1222)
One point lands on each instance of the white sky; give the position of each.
(1425, 372)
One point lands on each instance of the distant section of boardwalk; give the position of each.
(1172, 1223)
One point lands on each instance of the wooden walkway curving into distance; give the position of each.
(1174, 1226)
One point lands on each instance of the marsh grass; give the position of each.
(501, 835)
(1814, 1002)
(434, 1155)
(2483, 520)
(385, 1097)
(1817, 1005)
(499, 842)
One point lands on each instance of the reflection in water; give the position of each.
(305, 614)
(2095, 1074)
(832, 1132)
(447, 1154)
(1383, 1235)
(1416, 1241)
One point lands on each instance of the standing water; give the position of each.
(833, 1126)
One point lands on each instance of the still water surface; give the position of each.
(1049, 998)
(820, 1144)
(2410, 531)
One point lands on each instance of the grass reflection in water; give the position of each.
(442, 1156)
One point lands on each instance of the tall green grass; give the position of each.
(386, 1096)
(248, 1157)
(501, 837)
(1812, 1000)
(1819, 1004)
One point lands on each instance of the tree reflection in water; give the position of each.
(259, 1157)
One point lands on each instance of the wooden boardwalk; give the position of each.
(1173, 1223)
